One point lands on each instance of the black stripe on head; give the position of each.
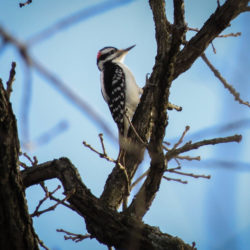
(105, 52)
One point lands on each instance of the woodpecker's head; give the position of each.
(108, 54)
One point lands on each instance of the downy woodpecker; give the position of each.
(118, 86)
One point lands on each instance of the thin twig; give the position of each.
(91, 148)
(105, 156)
(214, 49)
(175, 168)
(191, 146)
(51, 208)
(41, 243)
(51, 197)
(24, 4)
(11, 79)
(174, 179)
(188, 158)
(229, 87)
(174, 154)
(182, 137)
(139, 179)
(167, 143)
(189, 174)
(177, 161)
(102, 143)
(219, 36)
(117, 162)
(230, 35)
(73, 236)
(62, 202)
(164, 147)
(100, 154)
(23, 165)
(33, 161)
(47, 195)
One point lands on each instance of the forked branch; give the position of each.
(116, 227)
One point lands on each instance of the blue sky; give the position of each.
(213, 213)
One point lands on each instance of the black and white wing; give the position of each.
(113, 91)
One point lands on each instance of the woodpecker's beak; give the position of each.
(121, 53)
(129, 48)
(125, 51)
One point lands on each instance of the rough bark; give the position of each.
(16, 230)
(115, 186)
(122, 230)
(216, 23)
(109, 227)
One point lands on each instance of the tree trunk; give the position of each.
(16, 230)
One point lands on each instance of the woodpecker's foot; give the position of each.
(173, 106)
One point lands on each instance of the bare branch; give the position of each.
(24, 4)
(117, 162)
(188, 158)
(217, 22)
(229, 87)
(230, 35)
(189, 174)
(41, 243)
(214, 49)
(51, 208)
(101, 155)
(73, 236)
(167, 49)
(33, 161)
(174, 179)
(219, 36)
(102, 143)
(116, 227)
(190, 146)
(47, 195)
(139, 179)
(11, 79)
(181, 138)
